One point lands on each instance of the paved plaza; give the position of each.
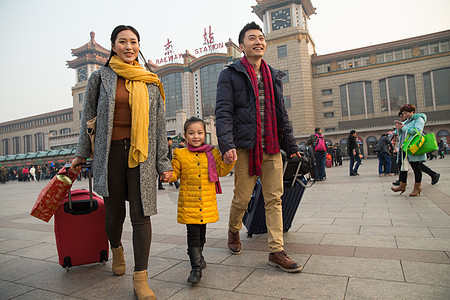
(355, 238)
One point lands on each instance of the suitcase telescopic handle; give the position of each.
(88, 166)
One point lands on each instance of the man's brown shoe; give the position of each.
(234, 242)
(282, 261)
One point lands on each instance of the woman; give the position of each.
(130, 148)
(412, 123)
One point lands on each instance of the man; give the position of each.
(338, 154)
(317, 143)
(182, 144)
(353, 152)
(252, 126)
(384, 155)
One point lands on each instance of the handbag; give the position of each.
(52, 195)
(418, 143)
(91, 126)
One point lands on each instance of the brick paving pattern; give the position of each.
(355, 238)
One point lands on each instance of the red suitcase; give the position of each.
(80, 229)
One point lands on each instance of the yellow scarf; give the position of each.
(136, 79)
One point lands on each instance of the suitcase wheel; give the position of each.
(249, 235)
(103, 256)
(67, 263)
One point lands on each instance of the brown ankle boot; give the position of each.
(234, 242)
(118, 264)
(401, 188)
(141, 288)
(416, 190)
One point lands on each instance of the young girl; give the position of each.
(199, 167)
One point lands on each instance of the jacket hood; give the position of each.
(420, 115)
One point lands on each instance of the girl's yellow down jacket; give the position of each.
(197, 202)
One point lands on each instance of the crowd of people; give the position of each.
(28, 173)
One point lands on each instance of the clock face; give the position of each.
(82, 74)
(281, 19)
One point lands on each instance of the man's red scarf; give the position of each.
(270, 121)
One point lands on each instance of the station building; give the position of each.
(360, 89)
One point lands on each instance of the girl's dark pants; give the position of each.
(196, 235)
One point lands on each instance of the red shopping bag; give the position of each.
(52, 195)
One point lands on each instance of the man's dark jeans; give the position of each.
(320, 164)
(354, 158)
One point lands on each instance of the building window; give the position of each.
(16, 145)
(371, 141)
(27, 143)
(330, 129)
(424, 50)
(341, 65)
(323, 68)
(39, 141)
(282, 51)
(395, 91)
(434, 48)
(348, 64)
(356, 98)
(436, 85)
(343, 143)
(52, 133)
(327, 103)
(174, 95)
(389, 56)
(445, 46)
(64, 131)
(5, 146)
(407, 53)
(208, 81)
(327, 92)
(80, 97)
(287, 101)
(285, 79)
(328, 114)
(380, 58)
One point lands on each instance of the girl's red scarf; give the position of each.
(212, 168)
(270, 121)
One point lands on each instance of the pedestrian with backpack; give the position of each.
(317, 143)
(383, 148)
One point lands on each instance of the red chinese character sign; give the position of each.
(169, 56)
(208, 42)
(208, 38)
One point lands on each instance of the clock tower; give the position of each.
(90, 57)
(289, 49)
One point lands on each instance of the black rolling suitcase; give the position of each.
(294, 186)
(394, 165)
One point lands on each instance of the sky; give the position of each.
(37, 36)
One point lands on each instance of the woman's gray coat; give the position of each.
(99, 100)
